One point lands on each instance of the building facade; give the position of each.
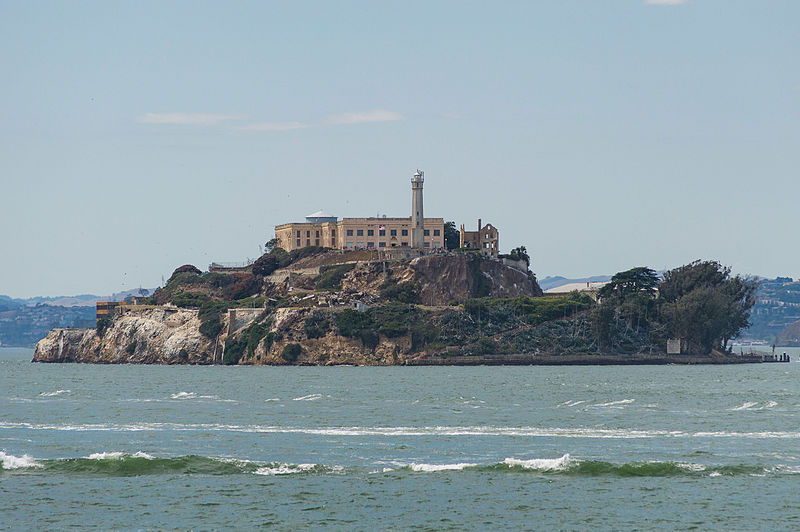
(326, 230)
(486, 238)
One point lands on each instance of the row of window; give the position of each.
(382, 232)
(371, 245)
(308, 234)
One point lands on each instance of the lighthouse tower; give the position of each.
(417, 216)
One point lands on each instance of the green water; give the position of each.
(476, 448)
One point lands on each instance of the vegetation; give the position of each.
(331, 276)
(316, 325)
(245, 344)
(291, 352)
(405, 292)
(452, 236)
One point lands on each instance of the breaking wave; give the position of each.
(120, 464)
(55, 393)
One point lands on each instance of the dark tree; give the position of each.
(187, 268)
(271, 244)
(641, 280)
(452, 238)
(265, 265)
(704, 304)
(520, 253)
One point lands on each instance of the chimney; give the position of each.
(479, 225)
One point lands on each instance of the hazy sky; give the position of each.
(602, 135)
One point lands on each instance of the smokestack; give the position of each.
(479, 225)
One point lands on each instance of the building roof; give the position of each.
(320, 214)
(580, 287)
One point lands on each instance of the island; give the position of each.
(411, 291)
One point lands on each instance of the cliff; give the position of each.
(314, 326)
(165, 335)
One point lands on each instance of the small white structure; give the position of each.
(358, 306)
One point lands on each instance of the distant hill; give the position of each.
(776, 312)
(23, 322)
(555, 281)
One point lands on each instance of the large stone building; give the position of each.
(486, 238)
(323, 229)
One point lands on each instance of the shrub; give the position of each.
(131, 349)
(316, 325)
(331, 276)
(370, 338)
(186, 268)
(351, 322)
(291, 352)
(244, 285)
(307, 251)
(209, 314)
(486, 346)
(395, 319)
(103, 324)
(265, 265)
(218, 280)
(406, 292)
(190, 299)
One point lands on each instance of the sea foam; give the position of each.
(55, 393)
(10, 461)
(540, 464)
(118, 455)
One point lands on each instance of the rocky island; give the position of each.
(318, 306)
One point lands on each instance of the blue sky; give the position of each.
(139, 136)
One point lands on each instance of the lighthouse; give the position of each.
(417, 216)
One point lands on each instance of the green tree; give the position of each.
(520, 253)
(452, 237)
(641, 280)
(271, 245)
(703, 303)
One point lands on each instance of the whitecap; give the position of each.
(571, 403)
(310, 397)
(745, 406)
(272, 400)
(541, 464)
(689, 466)
(193, 395)
(617, 403)
(55, 393)
(284, 469)
(430, 468)
(715, 474)
(10, 461)
(117, 455)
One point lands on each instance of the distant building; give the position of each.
(326, 230)
(486, 238)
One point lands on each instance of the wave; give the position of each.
(122, 464)
(310, 397)
(616, 403)
(119, 464)
(451, 431)
(55, 393)
(9, 461)
(752, 405)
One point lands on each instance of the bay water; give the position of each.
(411, 448)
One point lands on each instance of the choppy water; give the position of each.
(711, 447)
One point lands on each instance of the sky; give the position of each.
(139, 136)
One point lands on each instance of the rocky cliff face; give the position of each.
(161, 335)
(171, 335)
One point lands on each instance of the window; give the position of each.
(486, 245)
(298, 234)
(316, 242)
(317, 235)
(349, 232)
(359, 232)
(427, 244)
(487, 236)
(404, 243)
(381, 232)
(370, 232)
(359, 244)
(437, 244)
(435, 232)
(381, 244)
(427, 232)
(333, 233)
(393, 232)
(308, 242)
(308, 234)
(349, 244)
(370, 245)
(298, 241)
(405, 233)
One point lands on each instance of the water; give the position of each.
(165, 447)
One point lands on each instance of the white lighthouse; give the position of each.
(417, 216)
